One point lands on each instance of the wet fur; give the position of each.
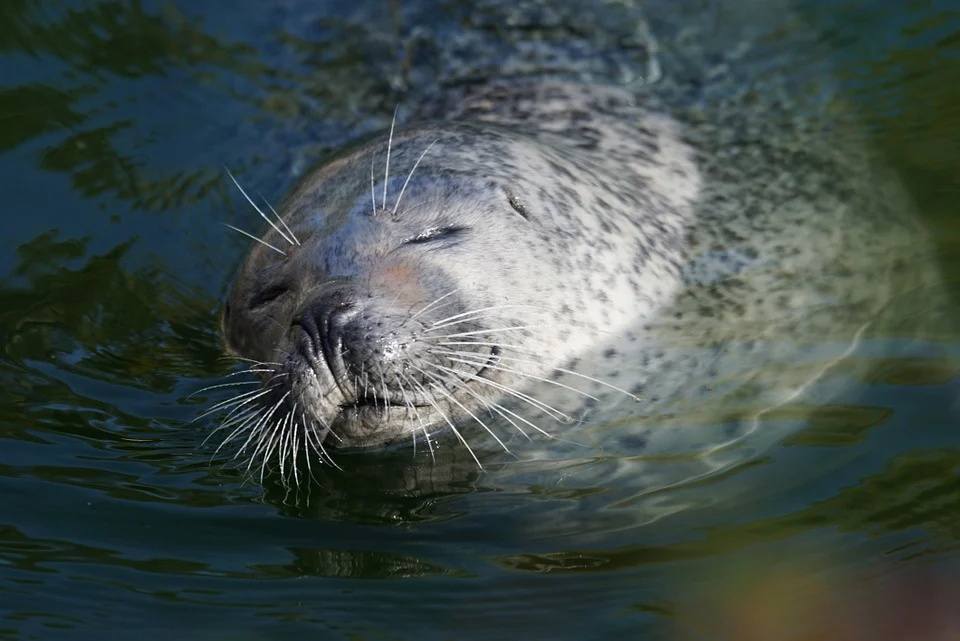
(628, 245)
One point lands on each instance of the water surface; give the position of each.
(116, 121)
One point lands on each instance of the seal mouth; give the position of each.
(365, 401)
(369, 404)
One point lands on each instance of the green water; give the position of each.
(116, 120)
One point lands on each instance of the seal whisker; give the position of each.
(239, 405)
(484, 363)
(249, 396)
(236, 398)
(293, 449)
(234, 357)
(324, 450)
(222, 385)
(243, 420)
(290, 449)
(489, 330)
(453, 399)
(432, 303)
(237, 410)
(423, 426)
(455, 430)
(472, 314)
(283, 435)
(598, 382)
(310, 445)
(558, 369)
(553, 412)
(386, 171)
(263, 424)
(407, 405)
(249, 235)
(410, 175)
(280, 218)
(230, 375)
(263, 453)
(249, 420)
(516, 348)
(373, 187)
(259, 211)
(499, 409)
(236, 415)
(383, 386)
(306, 447)
(256, 430)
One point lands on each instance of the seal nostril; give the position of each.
(311, 330)
(324, 325)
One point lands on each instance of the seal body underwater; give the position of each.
(531, 264)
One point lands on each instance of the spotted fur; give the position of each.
(655, 256)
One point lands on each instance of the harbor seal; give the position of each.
(534, 256)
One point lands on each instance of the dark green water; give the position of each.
(116, 120)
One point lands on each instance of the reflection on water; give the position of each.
(116, 120)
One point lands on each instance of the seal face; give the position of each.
(538, 249)
(484, 257)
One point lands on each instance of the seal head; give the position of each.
(379, 310)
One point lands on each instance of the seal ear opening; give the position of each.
(517, 204)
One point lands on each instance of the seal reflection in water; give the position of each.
(542, 258)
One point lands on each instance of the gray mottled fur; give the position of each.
(716, 254)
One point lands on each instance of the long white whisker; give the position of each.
(259, 240)
(476, 312)
(235, 433)
(559, 369)
(251, 360)
(450, 396)
(243, 420)
(386, 171)
(500, 409)
(453, 428)
(324, 450)
(434, 302)
(483, 363)
(233, 384)
(289, 231)
(490, 330)
(373, 188)
(283, 444)
(230, 375)
(515, 348)
(410, 175)
(259, 211)
(551, 411)
(423, 426)
(262, 424)
(253, 394)
(237, 411)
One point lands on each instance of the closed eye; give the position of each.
(435, 233)
(268, 295)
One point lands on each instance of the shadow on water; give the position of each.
(116, 119)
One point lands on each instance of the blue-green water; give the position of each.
(116, 120)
